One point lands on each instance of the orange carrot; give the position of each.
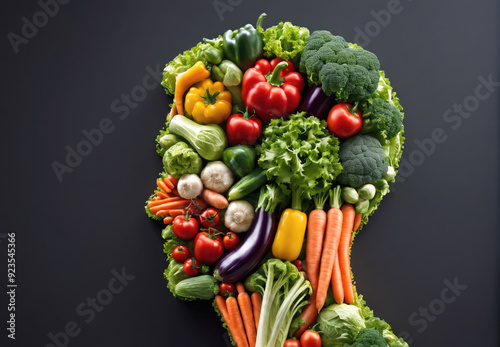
(330, 247)
(162, 195)
(309, 315)
(214, 199)
(238, 330)
(338, 290)
(246, 312)
(162, 201)
(316, 224)
(167, 220)
(357, 221)
(163, 186)
(171, 205)
(154, 198)
(221, 305)
(177, 212)
(257, 304)
(174, 180)
(240, 287)
(162, 213)
(173, 112)
(169, 184)
(348, 213)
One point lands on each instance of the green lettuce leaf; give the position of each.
(286, 41)
(184, 61)
(300, 152)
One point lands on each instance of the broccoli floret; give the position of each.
(351, 74)
(381, 117)
(369, 338)
(363, 161)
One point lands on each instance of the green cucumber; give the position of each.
(248, 184)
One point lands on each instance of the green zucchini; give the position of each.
(248, 184)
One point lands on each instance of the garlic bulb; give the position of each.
(239, 216)
(217, 177)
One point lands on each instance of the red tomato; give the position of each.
(342, 123)
(196, 206)
(181, 253)
(185, 227)
(190, 268)
(292, 343)
(243, 129)
(210, 218)
(298, 265)
(310, 338)
(207, 248)
(228, 289)
(230, 241)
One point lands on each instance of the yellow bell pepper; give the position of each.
(289, 237)
(208, 102)
(198, 72)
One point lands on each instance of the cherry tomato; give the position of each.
(185, 227)
(227, 289)
(243, 129)
(210, 218)
(190, 268)
(196, 206)
(298, 265)
(181, 253)
(310, 338)
(292, 343)
(342, 123)
(207, 248)
(230, 241)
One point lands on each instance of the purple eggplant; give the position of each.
(316, 102)
(241, 261)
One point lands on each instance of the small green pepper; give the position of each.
(244, 46)
(240, 159)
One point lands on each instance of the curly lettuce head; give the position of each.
(299, 151)
(286, 41)
(181, 159)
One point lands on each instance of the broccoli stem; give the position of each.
(297, 197)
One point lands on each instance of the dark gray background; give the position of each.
(439, 224)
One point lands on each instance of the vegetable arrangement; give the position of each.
(278, 147)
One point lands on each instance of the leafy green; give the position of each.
(148, 211)
(340, 324)
(385, 91)
(283, 289)
(286, 41)
(270, 196)
(186, 60)
(181, 159)
(299, 154)
(376, 323)
(174, 273)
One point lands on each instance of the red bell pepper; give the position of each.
(272, 89)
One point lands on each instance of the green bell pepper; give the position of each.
(244, 46)
(228, 73)
(231, 76)
(240, 159)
